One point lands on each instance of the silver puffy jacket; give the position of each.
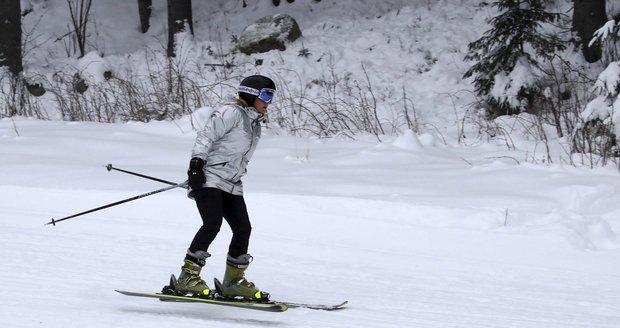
(226, 144)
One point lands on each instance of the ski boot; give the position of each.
(235, 285)
(189, 281)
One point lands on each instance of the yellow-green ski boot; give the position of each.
(235, 285)
(189, 281)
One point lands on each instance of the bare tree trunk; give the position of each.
(589, 16)
(80, 11)
(179, 16)
(11, 35)
(144, 10)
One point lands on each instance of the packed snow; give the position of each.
(412, 232)
(434, 228)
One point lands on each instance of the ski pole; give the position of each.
(178, 185)
(110, 168)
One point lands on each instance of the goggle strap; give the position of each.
(252, 91)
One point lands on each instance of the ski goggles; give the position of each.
(264, 94)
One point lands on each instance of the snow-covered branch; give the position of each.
(603, 33)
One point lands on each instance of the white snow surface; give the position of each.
(421, 229)
(412, 232)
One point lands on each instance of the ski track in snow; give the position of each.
(411, 234)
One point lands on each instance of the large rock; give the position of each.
(269, 33)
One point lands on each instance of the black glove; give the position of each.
(195, 175)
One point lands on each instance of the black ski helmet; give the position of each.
(257, 82)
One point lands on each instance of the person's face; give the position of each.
(260, 106)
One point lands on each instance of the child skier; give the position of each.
(219, 158)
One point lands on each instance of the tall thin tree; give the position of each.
(144, 10)
(179, 20)
(11, 35)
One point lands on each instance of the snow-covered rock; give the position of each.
(269, 33)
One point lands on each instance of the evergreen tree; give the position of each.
(600, 131)
(508, 55)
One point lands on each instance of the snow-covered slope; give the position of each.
(415, 231)
(412, 232)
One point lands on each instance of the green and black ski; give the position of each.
(270, 306)
(215, 300)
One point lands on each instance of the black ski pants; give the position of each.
(213, 205)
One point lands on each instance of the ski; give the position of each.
(324, 307)
(215, 300)
(290, 305)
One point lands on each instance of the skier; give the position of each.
(219, 158)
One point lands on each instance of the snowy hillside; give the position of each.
(412, 52)
(418, 230)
